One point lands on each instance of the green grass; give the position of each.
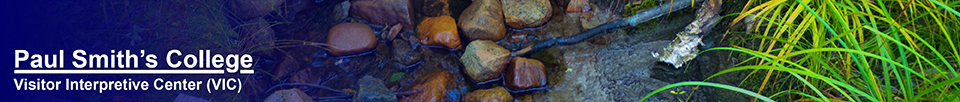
(847, 50)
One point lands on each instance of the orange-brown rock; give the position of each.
(521, 14)
(483, 20)
(484, 60)
(496, 94)
(433, 89)
(577, 6)
(524, 74)
(350, 38)
(440, 30)
(383, 12)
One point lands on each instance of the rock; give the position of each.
(439, 31)
(350, 38)
(525, 98)
(521, 14)
(591, 19)
(483, 20)
(373, 90)
(434, 8)
(484, 60)
(394, 30)
(383, 12)
(289, 95)
(601, 40)
(496, 94)
(577, 6)
(248, 9)
(404, 53)
(340, 11)
(304, 75)
(287, 66)
(433, 89)
(525, 74)
(258, 36)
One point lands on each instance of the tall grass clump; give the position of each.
(850, 50)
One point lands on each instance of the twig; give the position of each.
(638, 18)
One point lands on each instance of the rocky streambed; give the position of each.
(414, 50)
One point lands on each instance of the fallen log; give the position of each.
(684, 47)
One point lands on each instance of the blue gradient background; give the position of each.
(45, 26)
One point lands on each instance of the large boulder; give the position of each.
(496, 94)
(484, 60)
(350, 38)
(249, 9)
(439, 31)
(483, 20)
(433, 89)
(525, 74)
(521, 14)
(289, 95)
(383, 12)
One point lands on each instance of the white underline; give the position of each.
(206, 71)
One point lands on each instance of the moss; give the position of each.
(631, 9)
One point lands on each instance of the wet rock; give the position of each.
(350, 38)
(248, 9)
(591, 19)
(601, 40)
(383, 12)
(433, 89)
(373, 90)
(496, 94)
(289, 95)
(525, 98)
(404, 53)
(434, 8)
(525, 74)
(521, 14)
(286, 67)
(439, 31)
(341, 11)
(258, 36)
(577, 6)
(305, 75)
(484, 60)
(483, 20)
(394, 30)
